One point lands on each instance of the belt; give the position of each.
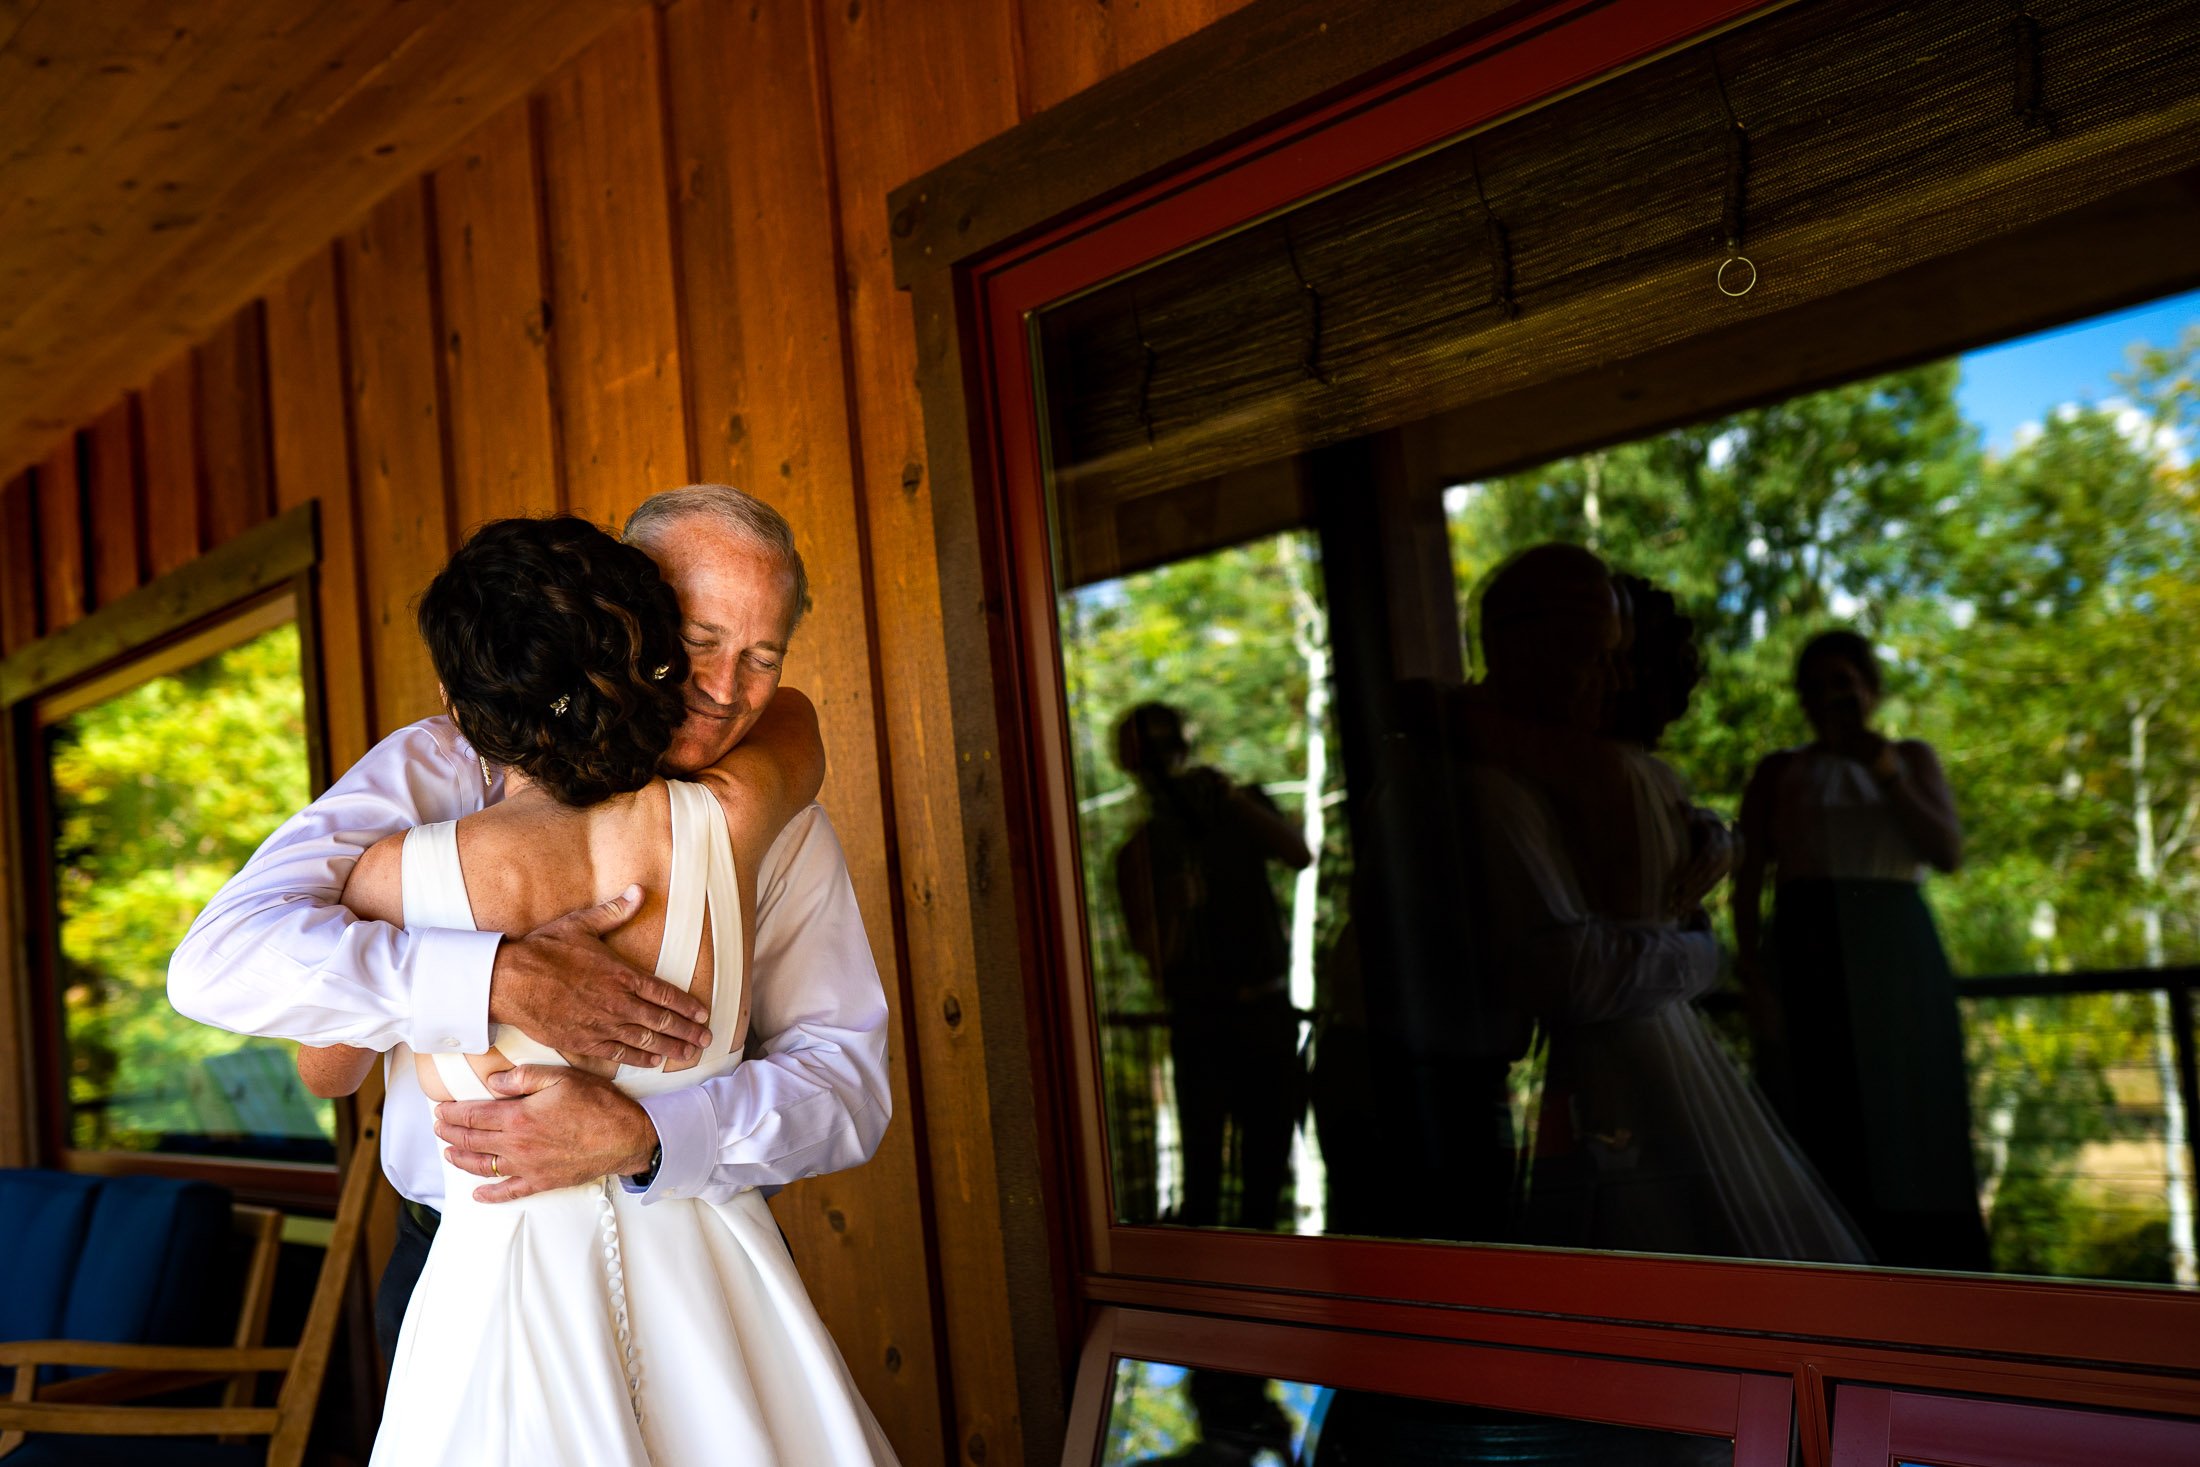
(424, 1217)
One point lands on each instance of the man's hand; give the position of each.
(560, 1128)
(1710, 860)
(560, 986)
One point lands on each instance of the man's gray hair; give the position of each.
(737, 511)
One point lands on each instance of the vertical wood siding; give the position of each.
(112, 496)
(170, 416)
(670, 262)
(400, 461)
(615, 332)
(496, 325)
(61, 559)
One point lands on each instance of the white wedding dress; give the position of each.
(578, 1328)
(1648, 1136)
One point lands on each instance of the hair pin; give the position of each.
(565, 701)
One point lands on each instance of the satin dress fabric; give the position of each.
(580, 1328)
(1651, 1138)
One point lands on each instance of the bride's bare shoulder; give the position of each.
(376, 889)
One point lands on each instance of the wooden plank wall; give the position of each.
(669, 262)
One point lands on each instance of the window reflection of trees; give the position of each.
(2034, 607)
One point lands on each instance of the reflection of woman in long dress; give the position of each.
(1656, 1140)
(1853, 1002)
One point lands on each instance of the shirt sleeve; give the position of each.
(812, 1096)
(276, 953)
(1564, 963)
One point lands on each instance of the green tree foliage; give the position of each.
(1768, 526)
(160, 793)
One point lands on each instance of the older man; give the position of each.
(277, 954)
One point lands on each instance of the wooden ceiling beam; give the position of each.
(279, 129)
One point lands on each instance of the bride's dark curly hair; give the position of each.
(559, 650)
(1664, 661)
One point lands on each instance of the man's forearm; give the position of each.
(276, 952)
(1594, 971)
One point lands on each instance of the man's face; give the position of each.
(1588, 642)
(1567, 656)
(736, 613)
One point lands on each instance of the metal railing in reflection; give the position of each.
(2085, 1087)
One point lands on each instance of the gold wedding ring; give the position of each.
(496, 1166)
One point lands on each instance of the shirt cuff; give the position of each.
(450, 989)
(687, 1130)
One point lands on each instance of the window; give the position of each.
(161, 777)
(1177, 1414)
(1338, 973)
(1873, 1427)
(1174, 1390)
(1296, 957)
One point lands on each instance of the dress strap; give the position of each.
(728, 970)
(459, 1077)
(432, 885)
(702, 867)
(433, 888)
(685, 886)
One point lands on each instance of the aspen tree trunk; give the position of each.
(1310, 636)
(1592, 497)
(2175, 1123)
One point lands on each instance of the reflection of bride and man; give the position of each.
(1598, 866)
(586, 1095)
(1586, 870)
(1648, 1136)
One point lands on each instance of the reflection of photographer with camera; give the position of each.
(1193, 880)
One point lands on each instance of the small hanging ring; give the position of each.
(1730, 262)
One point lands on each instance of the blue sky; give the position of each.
(2021, 381)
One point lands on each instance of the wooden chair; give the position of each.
(112, 1404)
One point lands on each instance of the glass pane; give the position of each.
(2076, 1106)
(160, 792)
(1439, 889)
(1207, 1418)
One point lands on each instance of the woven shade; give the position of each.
(1878, 136)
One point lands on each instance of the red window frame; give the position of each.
(1752, 1410)
(1540, 53)
(1873, 1427)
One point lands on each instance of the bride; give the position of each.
(577, 1326)
(1704, 1166)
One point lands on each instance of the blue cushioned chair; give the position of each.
(126, 1270)
(44, 1217)
(124, 1260)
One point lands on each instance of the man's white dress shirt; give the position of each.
(276, 953)
(1562, 962)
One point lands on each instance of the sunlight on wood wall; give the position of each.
(668, 262)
